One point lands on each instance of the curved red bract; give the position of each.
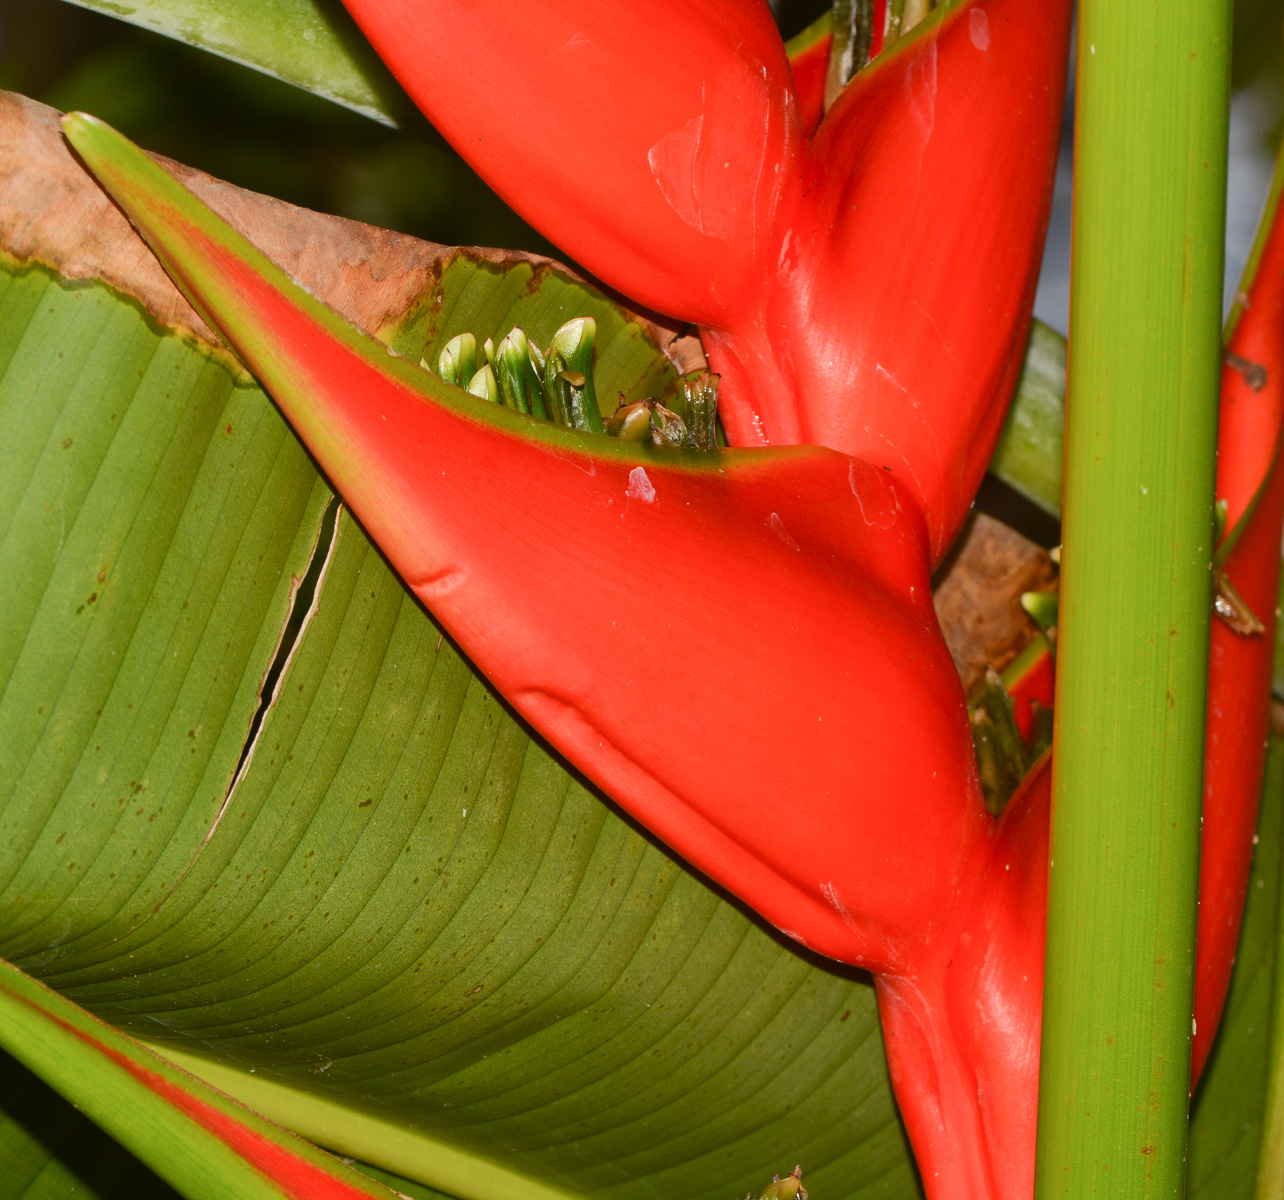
(1240, 668)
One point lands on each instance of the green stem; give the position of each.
(1150, 160)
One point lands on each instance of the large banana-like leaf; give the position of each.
(312, 44)
(50, 1150)
(199, 1140)
(392, 918)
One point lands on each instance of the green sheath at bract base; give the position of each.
(1150, 162)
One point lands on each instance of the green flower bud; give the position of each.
(1041, 608)
(700, 390)
(573, 342)
(458, 361)
(519, 384)
(483, 385)
(631, 422)
(566, 391)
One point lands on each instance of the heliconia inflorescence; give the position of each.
(866, 290)
(557, 385)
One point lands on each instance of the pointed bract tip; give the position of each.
(75, 123)
(91, 137)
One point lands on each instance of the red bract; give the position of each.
(867, 288)
(1251, 487)
(794, 580)
(743, 651)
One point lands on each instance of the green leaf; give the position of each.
(1226, 1118)
(312, 44)
(1029, 451)
(51, 1151)
(202, 1143)
(407, 917)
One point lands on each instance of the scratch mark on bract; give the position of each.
(673, 162)
(590, 470)
(640, 487)
(879, 369)
(945, 345)
(920, 84)
(782, 533)
(978, 29)
(579, 38)
(876, 516)
(831, 895)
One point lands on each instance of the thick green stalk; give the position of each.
(1150, 160)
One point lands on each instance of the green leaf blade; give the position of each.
(312, 44)
(203, 1144)
(1226, 1117)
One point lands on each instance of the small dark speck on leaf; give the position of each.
(66, 443)
(845, 1015)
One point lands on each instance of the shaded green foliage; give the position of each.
(1226, 1120)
